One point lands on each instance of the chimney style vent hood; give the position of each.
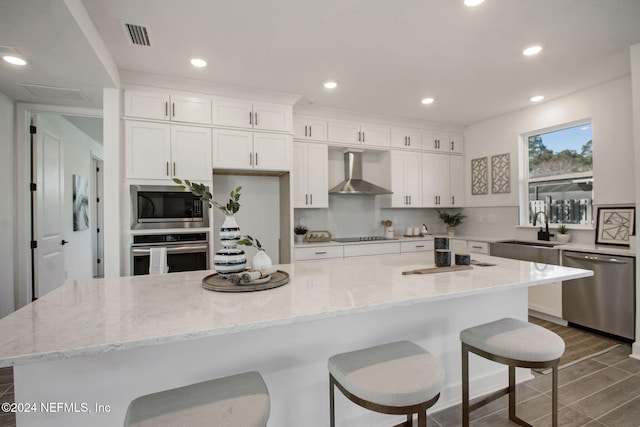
(353, 183)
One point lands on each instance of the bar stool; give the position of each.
(514, 343)
(396, 378)
(239, 400)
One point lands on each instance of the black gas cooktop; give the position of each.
(361, 239)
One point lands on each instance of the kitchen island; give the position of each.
(90, 347)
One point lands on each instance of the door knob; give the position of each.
(64, 242)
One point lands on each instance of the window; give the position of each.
(560, 175)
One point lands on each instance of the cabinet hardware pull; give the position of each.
(250, 159)
(256, 159)
(453, 200)
(306, 199)
(255, 119)
(363, 138)
(409, 140)
(419, 246)
(166, 109)
(311, 199)
(173, 107)
(409, 199)
(321, 253)
(359, 136)
(476, 247)
(309, 131)
(305, 130)
(452, 145)
(167, 168)
(174, 168)
(250, 118)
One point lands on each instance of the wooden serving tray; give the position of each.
(438, 269)
(215, 282)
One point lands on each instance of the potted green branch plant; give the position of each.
(452, 220)
(260, 260)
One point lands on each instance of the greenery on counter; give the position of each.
(452, 220)
(200, 191)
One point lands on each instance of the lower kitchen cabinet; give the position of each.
(309, 175)
(372, 249)
(318, 252)
(416, 246)
(477, 247)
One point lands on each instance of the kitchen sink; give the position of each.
(526, 251)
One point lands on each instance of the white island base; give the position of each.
(292, 358)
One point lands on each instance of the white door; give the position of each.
(456, 181)
(413, 179)
(380, 136)
(267, 116)
(318, 178)
(191, 109)
(49, 255)
(299, 176)
(232, 112)
(272, 151)
(191, 153)
(347, 132)
(232, 149)
(147, 150)
(441, 180)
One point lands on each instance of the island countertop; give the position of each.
(102, 315)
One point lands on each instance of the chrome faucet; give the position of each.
(542, 235)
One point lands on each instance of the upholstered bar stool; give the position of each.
(236, 401)
(514, 343)
(396, 378)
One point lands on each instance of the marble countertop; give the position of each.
(102, 315)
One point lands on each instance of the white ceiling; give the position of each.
(385, 55)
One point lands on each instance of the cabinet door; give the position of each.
(272, 151)
(456, 144)
(191, 153)
(458, 246)
(429, 199)
(399, 198)
(300, 128)
(379, 136)
(318, 175)
(189, 109)
(299, 176)
(148, 105)
(441, 178)
(413, 179)
(346, 132)
(232, 149)
(317, 129)
(232, 112)
(405, 138)
(456, 181)
(147, 150)
(268, 116)
(435, 142)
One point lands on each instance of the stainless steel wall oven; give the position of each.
(158, 207)
(185, 251)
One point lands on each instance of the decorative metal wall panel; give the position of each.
(500, 174)
(480, 176)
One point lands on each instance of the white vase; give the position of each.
(230, 259)
(563, 238)
(451, 231)
(299, 238)
(261, 261)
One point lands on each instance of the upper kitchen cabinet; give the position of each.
(166, 106)
(309, 173)
(310, 129)
(354, 133)
(405, 173)
(242, 113)
(442, 181)
(442, 143)
(163, 151)
(246, 150)
(406, 138)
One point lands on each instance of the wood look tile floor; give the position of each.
(600, 391)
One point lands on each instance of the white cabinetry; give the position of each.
(406, 176)
(442, 143)
(458, 246)
(235, 149)
(477, 247)
(318, 252)
(309, 129)
(442, 180)
(310, 175)
(406, 138)
(416, 246)
(354, 133)
(372, 249)
(162, 151)
(251, 115)
(166, 106)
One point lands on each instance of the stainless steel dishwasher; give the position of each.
(604, 302)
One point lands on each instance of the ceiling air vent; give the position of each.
(138, 34)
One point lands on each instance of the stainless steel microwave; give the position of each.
(160, 207)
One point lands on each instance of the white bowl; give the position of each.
(563, 238)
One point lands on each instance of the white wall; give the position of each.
(78, 150)
(7, 207)
(608, 106)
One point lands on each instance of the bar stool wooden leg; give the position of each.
(422, 419)
(332, 408)
(465, 386)
(554, 394)
(512, 393)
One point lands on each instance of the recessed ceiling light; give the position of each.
(427, 101)
(14, 60)
(537, 98)
(472, 3)
(532, 50)
(197, 62)
(331, 85)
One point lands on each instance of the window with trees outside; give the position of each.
(560, 175)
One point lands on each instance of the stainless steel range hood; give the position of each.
(353, 183)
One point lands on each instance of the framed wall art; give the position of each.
(501, 174)
(615, 226)
(80, 203)
(479, 176)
